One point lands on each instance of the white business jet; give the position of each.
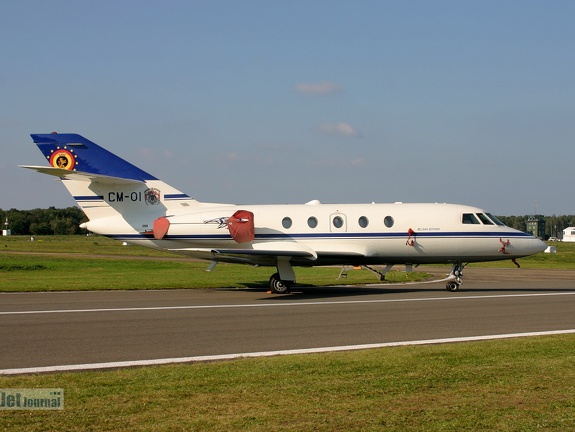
(126, 203)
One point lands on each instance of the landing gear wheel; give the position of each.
(279, 286)
(456, 277)
(452, 286)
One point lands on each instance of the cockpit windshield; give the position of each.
(494, 219)
(470, 218)
(485, 218)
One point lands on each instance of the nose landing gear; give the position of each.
(457, 278)
(452, 286)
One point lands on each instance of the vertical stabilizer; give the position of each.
(107, 188)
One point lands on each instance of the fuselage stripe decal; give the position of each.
(176, 196)
(344, 236)
(89, 198)
(173, 197)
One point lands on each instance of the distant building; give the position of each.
(6, 231)
(569, 234)
(536, 226)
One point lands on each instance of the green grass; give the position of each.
(505, 385)
(47, 273)
(89, 263)
(94, 262)
(94, 245)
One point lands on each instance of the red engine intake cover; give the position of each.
(161, 226)
(241, 226)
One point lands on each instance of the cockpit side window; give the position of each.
(494, 219)
(484, 219)
(469, 218)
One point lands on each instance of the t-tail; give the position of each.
(114, 194)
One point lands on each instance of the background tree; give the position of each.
(53, 221)
(44, 221)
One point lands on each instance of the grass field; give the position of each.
(53, 263)
(505, 385)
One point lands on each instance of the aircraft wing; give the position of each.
(80, 175)
(259, 253)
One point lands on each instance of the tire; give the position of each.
(452, 286)
(277, 286)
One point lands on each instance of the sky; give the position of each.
(257, 102)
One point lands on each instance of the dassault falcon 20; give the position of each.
(126, 203)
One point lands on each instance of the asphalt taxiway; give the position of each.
(90, 330)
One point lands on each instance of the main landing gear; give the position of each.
(282, 281)
(278, 286)
(457, 274)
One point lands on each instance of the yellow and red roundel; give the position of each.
(63, 158)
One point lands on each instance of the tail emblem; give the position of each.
(152, 196)
(63, 158)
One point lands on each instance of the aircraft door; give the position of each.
(337, 222)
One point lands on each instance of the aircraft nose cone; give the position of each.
(526, 246)
(535, 246)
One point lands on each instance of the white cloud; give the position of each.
(323, 87)
(231, 157)
(339, 162)
(148, 153)
(342, 129)
(153, 154)
(357, 161)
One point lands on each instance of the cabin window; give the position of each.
(484, 219)
(363, 222)
(286, 222)
(337, 221)
(494, 219)
(388, 221)
(312, 222)
(469, 218)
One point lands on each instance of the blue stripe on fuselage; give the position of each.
(89, 198)
(176, 196)
(327, 236)
(167, 197)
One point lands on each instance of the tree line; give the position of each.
(50, 221)
(554, 225)
(53, 221)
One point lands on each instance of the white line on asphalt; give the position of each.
(290, 304)
(122, 364)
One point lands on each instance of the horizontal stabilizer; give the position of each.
(82, 176)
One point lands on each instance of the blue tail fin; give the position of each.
(76, 153)
(117, 197)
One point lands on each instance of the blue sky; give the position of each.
(288, 101)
